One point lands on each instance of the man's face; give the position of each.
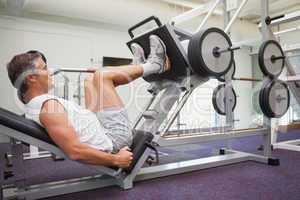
(43, 75)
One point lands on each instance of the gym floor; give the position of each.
(247, 180)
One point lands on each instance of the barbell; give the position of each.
(274, 96)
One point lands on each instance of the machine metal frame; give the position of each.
(291, 78)
(166, 95)
(292, 145)
(109, 176)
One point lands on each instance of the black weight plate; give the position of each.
(267, 50)
(275, 99)
(264, 99)
(231, 73)
(193, 54)
(261, 101)
(278, 100)
(219, 101)
(200, 52)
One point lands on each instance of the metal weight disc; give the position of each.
(230, 73)
(268, 50)
(193, 54)
(262, 97)
(255, 102)
(201, 56)
(218, 99)
(262, 104)
(275, 99)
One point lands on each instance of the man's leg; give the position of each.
(101, 88)
(102, 97)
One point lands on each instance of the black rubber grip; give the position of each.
(269, 19)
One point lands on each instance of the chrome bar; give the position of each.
(236, 14)
(77, 70)
(208, 15)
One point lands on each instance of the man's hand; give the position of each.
(123, 157)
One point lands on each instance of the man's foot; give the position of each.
(158, 54)
(138, 54)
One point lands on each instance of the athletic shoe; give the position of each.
(138, 54)
(158, 54)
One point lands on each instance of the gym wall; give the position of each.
(63, 45)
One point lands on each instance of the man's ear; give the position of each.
(31, 78)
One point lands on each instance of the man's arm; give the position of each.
(55, 120)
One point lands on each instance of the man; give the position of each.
(99, 134)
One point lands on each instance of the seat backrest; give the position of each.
(20, 123)
(31, 128)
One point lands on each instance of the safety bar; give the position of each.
(77, 70)
(290, 17)
(236, 14)
(211, 10)
(201, 9)
(287, 31)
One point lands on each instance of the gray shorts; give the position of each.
(118, 126)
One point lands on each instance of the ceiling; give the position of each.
(124, 13)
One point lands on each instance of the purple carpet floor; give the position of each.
(245, 181)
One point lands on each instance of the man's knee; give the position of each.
(102, 75)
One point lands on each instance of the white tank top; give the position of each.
(86, 124)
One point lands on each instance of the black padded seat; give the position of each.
(27, 126)
(141, 139)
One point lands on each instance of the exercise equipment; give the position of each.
(30, 129)
(170, 36)
(268, 19)
(274, 98)
(271, 58)
(219, 100)
(75, 70)
(168, 98)
(210, 52)
(291, 78)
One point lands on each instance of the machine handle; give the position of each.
(269, 19)
(154, 18)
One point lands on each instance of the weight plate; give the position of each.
(275, 99)
(262, 101)
(268, 50)
(218, 99)
(193, 54)
(200, 52)
(230, 73)
(255, 102)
